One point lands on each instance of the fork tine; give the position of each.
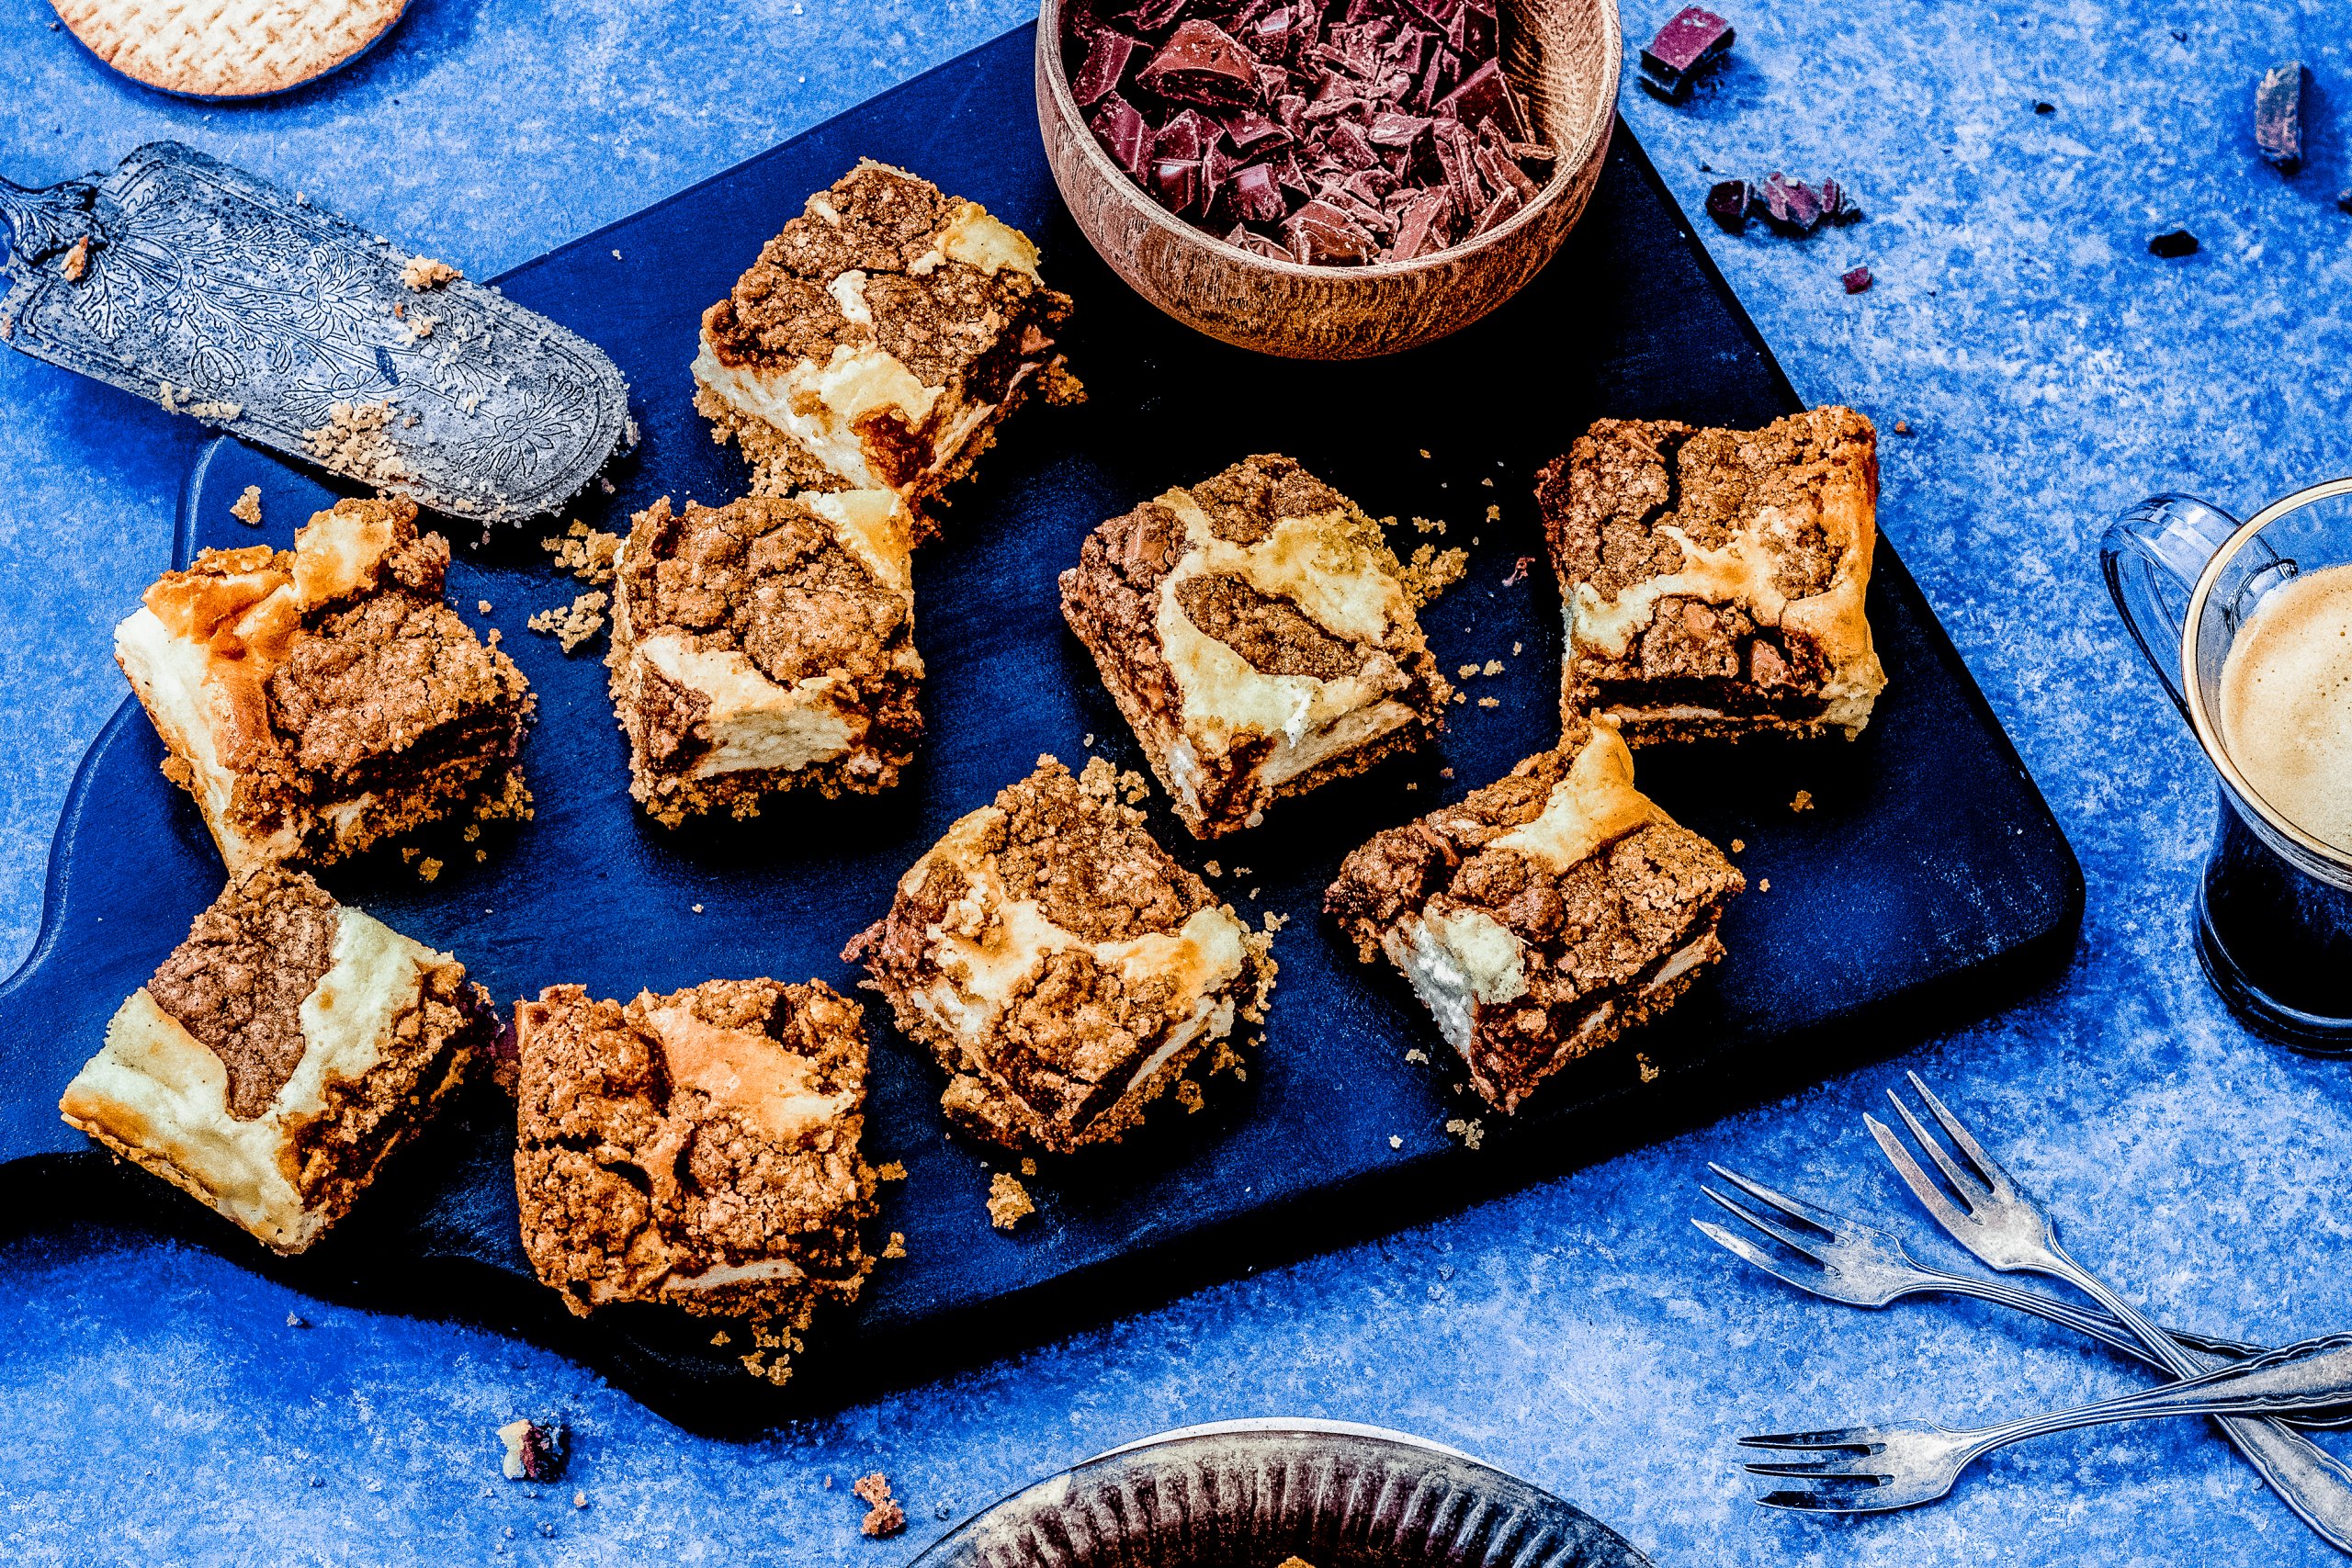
(1819, 1470)
(1748, 1252)
(1923, 1186)
(1803, 1501)
(1842, 1439)
(1964, 1186)
(1814, 1215)
(1796, 1241)
(1988, 1170)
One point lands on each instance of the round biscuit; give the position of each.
(227, 48)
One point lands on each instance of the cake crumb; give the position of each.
(890, 1170)
(1764, 885)
(586, 553)
(428, 868)
(1490, 702)
(1514, 651)
(1494, 515)
(572, 623)
(580, 1499)
(1088, 739)
(481, 607)
(1646, 1068)
(1028, 1166)
(1425, 451)
(1471, 1134)
(1415, 1054)
(492, 637)
(247, 509)
(1519, 570)
(1188, 1095)
(1467, 672)
(353, 442)
(1426, 525)
(1902, 427)
(1213, 868)
(1253, 819)
(883, 1516)
(898, 1247)
(1804, 802)
(1495, 666)
(1488, 481)
(422, 273)
(77, 261)
(721, 1339)
(535, 1451)
(1394, 1141)
(1274, 922)
(697, 908)
(1739, 846)
(1430, 572)
(1008, 1201)
(296, 1320)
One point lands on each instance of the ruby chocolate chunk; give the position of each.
(1857, 280)
(1331, 132)
(1728, 204)
(1692, 41)
(2278, 117)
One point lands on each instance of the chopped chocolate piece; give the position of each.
(2041, 107)
(1199, 64)
(1255, 197)
(1106, 65)
(1857, 280)
(1124, 135)
(2278, 117)
(1837, 204)
(1320, 233)
(1728, 204)
(2173, 244)
(2343, 200)
(1691, 41)
(1790, 207)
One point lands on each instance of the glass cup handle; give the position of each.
(2151, 557)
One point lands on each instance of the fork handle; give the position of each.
(2308, 1479)
(2097, 1325)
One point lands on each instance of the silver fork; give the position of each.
(1902, 1464)
(1837, 1257)
(1983, 1210)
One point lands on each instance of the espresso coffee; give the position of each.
(2286, 703)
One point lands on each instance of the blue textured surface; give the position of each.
(154, 1406)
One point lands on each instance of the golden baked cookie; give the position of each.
(227, 48)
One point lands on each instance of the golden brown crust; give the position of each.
(699, 1148)
(1714, 579)
(1088, 967)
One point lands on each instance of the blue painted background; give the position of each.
(156, 1406)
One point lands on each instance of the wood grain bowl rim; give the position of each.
(1593, 143)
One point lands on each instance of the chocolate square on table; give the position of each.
(279, 1056)
(879, 340)
(765, 646)
(1712, 580)
(1062, 968)
(1542, 917)
(698, 1149)
(319, 700)
(1260, 636)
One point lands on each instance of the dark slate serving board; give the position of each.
(1928, 883)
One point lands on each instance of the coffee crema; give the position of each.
(2287, 702)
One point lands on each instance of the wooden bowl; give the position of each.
(1562, 55)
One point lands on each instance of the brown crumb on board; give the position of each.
(422, 273)
(884, 1516)
(247, 508)
(1804, 802)
(575, 623)
(352, 442)
(586, 553)
(1646, 1068)
(898, 1247)
(1009, 1201)
(890, 1170)
(428, 868)
(1471, 1134)
(1432, 571)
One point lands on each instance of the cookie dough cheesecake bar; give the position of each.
(1713, 579)
(1259, 635)
(1062, 968)
(280, 1055)
(879, 340)
(1544, 915)
(698, 1149)
(318, 699)
(765, 646)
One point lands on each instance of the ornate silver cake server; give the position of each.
(219, 295)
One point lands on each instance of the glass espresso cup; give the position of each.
(2249, 627)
